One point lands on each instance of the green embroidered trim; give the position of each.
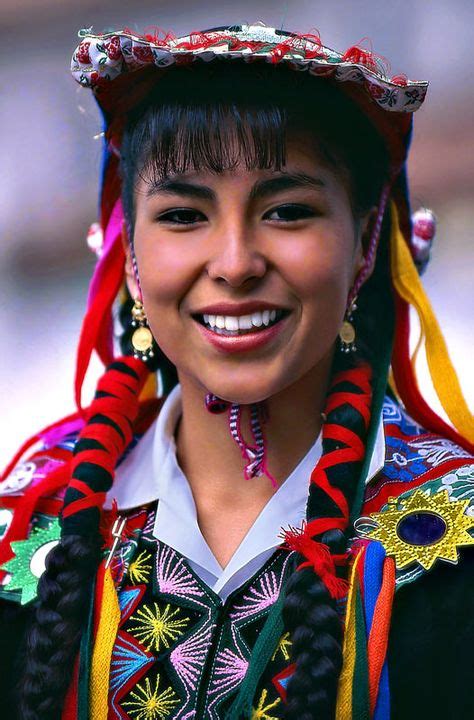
(261, 656)
(380, 370)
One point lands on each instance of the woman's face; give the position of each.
(245, 275)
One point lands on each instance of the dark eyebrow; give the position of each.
(288, 181)
(177, 187)
(261, 189)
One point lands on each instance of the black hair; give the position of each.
(212, 119)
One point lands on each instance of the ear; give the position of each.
(129, 271)
(365, 231)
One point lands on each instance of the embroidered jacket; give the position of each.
(181, 653)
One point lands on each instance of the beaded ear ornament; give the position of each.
(423, 234)
(347, 334)
(142, 338)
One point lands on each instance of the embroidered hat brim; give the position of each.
(119, 67)
(101, 58)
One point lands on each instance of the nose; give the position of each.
(236, 257)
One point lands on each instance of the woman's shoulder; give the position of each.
(416, 458)
(43, 474)
(420, 506)
(31, 497)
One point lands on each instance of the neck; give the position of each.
(210, 458)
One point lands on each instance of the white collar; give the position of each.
(138, 478)
(151, 472)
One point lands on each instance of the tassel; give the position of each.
(378, 639)
(317, 557)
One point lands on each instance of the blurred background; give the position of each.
(49, 166)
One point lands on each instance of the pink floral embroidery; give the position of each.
(230, 668)
(113, 49)
(173, 576)
(189, 657)
(259, 597)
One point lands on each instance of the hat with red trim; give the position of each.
(100, 60)
(119, 66)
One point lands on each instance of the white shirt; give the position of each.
(151, 472)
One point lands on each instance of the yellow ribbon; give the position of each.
(344, 690)
(443, 375)
(102, 653)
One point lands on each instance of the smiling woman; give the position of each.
(269, 208)
(235, 547)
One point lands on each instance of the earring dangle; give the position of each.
(347, 333)
(142, 339)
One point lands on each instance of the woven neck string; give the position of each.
(255, 455)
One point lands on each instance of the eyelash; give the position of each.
(305, 212)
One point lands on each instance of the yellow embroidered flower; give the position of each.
(150, 704)
(139, 569)
(157, 628)
(283, 646)
(262, 710)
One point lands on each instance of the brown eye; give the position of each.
(290, 213)
(181, 216)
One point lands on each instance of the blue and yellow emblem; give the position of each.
(423, 528)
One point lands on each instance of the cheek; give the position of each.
(321, 271)
(165, 277)
(165, 273)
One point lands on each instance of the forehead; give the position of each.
(299, 152)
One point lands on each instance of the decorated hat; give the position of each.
(119, 67)
(103, 59)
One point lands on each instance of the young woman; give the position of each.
(273, 536)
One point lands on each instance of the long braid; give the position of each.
(310, 611)
(311, 617)
(65, 589)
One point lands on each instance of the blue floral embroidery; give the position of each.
(402, 463)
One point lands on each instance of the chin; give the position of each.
(244, 390)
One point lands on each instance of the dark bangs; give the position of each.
(212, 119)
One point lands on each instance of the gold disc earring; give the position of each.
(142, 338)
(347, 333)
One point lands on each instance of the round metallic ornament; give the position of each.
(347, 333)
(142, 339)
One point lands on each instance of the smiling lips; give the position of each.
(237, 327)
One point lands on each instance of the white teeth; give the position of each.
(231, 323)
(234, 324)
(257, 319)
(245, 322)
